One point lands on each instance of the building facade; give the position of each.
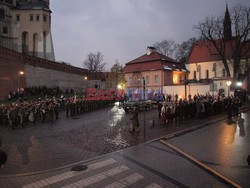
(26, 27)
(156, 69)
(207, 71)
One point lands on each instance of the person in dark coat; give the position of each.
(3, 156)
(248, 160)
(159, 109)
(135, 120)
(229, 110)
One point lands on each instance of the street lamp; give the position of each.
(229, 82)
(239, 84)
(85, 78)
(20, 73)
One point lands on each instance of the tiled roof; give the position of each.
(142, 66)
(155, 65)
(204, 51)
(154, 56)
(32, 5)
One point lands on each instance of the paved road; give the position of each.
(70, 140)
(223, 146)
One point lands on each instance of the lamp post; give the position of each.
(229, 82)
(20, 73)
(239, 84)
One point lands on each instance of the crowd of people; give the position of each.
(200, 106)
(170, 108)
(24, 112)
(35, 91)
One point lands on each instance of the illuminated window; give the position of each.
(175, 79)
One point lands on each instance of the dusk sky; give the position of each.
(122, 29)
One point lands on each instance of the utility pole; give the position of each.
(144, 98)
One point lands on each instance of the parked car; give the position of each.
(140, 104)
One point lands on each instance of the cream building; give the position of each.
(29, 27)
(207, 71)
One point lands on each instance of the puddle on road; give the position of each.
(118, 113)
(118, 140)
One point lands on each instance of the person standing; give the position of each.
(159, 109)
(3, 156)
(135, 120)
(163, 114)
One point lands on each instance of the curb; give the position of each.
(209, 170)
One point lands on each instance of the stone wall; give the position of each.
(37, 72)
(38, 76)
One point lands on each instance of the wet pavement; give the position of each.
(47, 146)
(222, 146)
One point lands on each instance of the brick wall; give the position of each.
(9, 77)
(37, 72)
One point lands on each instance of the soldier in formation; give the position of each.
(23, 112)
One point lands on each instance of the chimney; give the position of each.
(150, 50)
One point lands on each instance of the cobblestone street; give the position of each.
(222, 146)
(70, 140)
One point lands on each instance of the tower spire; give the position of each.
(227, 25)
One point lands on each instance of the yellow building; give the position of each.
(27, 27)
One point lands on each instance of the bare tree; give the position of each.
(94, 62)
(212, 30)
(183, 50)
(166, 47)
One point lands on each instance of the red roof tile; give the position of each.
(204, 51)
(154, 56)
(144, 66)
(154, 61)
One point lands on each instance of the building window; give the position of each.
(37, 17)
(207, 74)
(31, 17)
(5, 30)
(223, 73)
(130, 80)
(17, 17)
(194, 75)
(2, 14)
(156, 79)
(147, 79)
(45, 18)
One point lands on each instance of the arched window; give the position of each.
(35, 44)
(223, 73)
(25, 42)
(44, 43)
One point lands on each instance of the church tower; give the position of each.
(8, 34)
(33, 18)
(227, 25)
